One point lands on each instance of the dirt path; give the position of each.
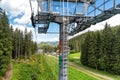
(8, 73)
(96, 75)
(93, 74)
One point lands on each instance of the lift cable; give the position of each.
(33, 15)
(30, 5)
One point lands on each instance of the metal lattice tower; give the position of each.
(1, 10)
(72, 20)
(63, 57)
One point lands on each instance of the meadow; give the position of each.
(75, 58)
(43, 67)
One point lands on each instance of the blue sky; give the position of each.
(18, 12)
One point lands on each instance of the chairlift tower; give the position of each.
(71, 21)
(1, 10)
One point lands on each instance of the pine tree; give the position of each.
(84, 52)
(21, 43)
(107, 44)
(5, 44)
(116, 53)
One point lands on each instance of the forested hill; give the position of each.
(76, 42)
(13, 44)
(99, 49)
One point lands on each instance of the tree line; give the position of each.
(13, 44)
(23, 46)
(76, 42)
(101, 49)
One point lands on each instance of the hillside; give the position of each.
(99, 49)
(54, 43)
(43, 67)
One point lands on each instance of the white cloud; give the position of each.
(22, 27)
(17, 8)
(115, 20)
(20, 13)
(46, 37)
(23, 20)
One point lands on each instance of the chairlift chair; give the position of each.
(43, 29)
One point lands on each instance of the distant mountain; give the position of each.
(54, 43)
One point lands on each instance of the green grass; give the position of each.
(35, 69)
(53, 65)
(76, 59)
(0, 78)
(43, 67)
(74, 74)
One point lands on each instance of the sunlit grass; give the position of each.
(44, 67)
(75, 58)
(75, 74)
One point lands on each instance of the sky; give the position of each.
(19, 13)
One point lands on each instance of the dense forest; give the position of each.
(99, 49)
(13, 44)
(23, 46)
(76, 42)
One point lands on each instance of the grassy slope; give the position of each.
(43, 68)
(0, 78)
(74, 74)
(76, 59)
(35, 69)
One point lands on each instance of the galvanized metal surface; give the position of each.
(72, 24)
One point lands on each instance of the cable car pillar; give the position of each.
(63, 49)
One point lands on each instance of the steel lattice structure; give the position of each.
(1, 10)
(73, 16)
